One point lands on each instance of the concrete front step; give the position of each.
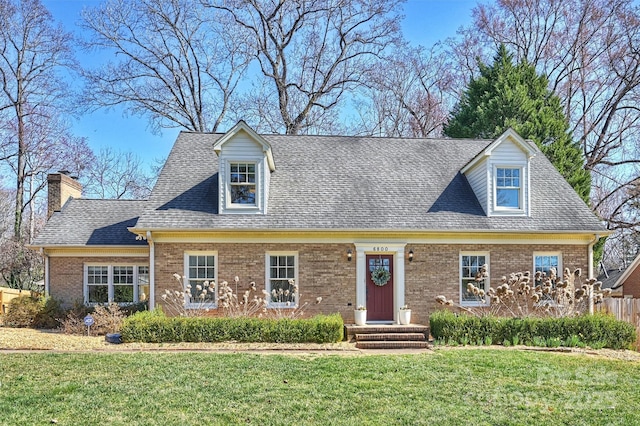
(386, 344)
(391, 336)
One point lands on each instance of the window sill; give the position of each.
(201, 306)
(281, 306)
(473, 304)
(240, 209)
(508, 212)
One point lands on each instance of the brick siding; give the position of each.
(67, 275)
(323, 271)
(632, 284)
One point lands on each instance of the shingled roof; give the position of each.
(87, 222)
(326, 183)
(357, 183)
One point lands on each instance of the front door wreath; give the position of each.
(380, 276)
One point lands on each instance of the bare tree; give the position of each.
(312, 51)
(32, 50)
(117, 175)
(20, 267)
(6, 218)
(409, 94)
(179, 63)
(590, 51)
(49, 146)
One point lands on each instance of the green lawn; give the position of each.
(474, 386)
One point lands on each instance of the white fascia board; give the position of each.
(242, 126)
(528, 147)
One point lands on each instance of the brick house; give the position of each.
(328, 212)
(623, 282)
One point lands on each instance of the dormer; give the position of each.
(500, 175)
(244, 172)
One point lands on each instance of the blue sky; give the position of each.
(425, 22)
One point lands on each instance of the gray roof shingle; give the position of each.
(362, 183)
(322, 183)
(86, 222)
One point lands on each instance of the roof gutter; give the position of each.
(600, 233)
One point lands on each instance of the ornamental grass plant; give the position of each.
(521, 295)
(233, 300)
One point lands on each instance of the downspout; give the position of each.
(152, 271)
(590, 260)
(46, 272)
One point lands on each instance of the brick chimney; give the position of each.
(62, 186)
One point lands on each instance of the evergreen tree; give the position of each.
(507, 95)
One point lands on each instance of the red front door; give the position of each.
(379, 294)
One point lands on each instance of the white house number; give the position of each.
(381, 249)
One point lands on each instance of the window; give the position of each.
(470, 273)
(508, 188)
(97, 284)
(143, 283)
(121, 284)
(200, 270)
(242, 185)
(281, 280)
(543, 262)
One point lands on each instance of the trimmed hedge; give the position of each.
(156, 327)
(597, 331)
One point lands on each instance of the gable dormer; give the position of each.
(500, 175)
(244, 171)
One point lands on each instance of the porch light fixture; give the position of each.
(411, 255)
(349, 255)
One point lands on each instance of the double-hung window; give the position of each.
(200, 282)
(121, 284)
(242, 183)
(544, 262)
(97, 284)
(508, 188)
(282, 280)
(470, 268)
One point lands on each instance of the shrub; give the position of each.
(22, 311)
(51, 314)
(599, 330)
(36, 312)
(107, 319)
(156, 327)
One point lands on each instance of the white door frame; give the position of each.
(397, 250)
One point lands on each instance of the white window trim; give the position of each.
(487, 280)
(200, 305)
(522, 199)
(230, 207)
(110, 284)
(559, 272)
(558, 254)
(267, 279)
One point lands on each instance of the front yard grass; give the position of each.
(448, 387)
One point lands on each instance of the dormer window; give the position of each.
(499, 175)
(242, 183)
(508, 188)
(245, 164)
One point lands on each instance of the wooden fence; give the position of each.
(625, 309)
(6, 294)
